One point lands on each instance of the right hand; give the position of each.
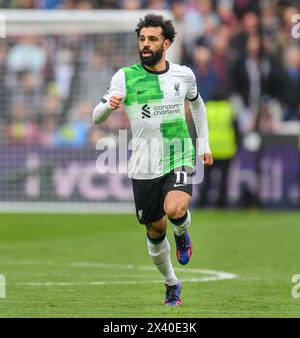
(207, 159)
(115, 102)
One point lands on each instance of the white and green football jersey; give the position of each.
(155, 104)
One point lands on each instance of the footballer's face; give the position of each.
(152, 45)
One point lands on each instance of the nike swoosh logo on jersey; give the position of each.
(179, 185)
(139, 92)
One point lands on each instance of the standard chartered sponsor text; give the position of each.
(167, 109)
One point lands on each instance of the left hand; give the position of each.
(207, 159)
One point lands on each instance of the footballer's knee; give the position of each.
(157, 229)
(175, 210)
(155, 234)
(176, 204)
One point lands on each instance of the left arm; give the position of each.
(198, 112)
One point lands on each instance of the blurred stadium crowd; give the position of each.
(240, 49)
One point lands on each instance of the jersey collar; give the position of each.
(157, 72)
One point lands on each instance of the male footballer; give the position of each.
(154, 93)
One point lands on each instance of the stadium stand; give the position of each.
(49, 83)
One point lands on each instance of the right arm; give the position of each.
(112, 99)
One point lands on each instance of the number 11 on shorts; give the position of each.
(181, 178)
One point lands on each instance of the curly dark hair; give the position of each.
(154, 20)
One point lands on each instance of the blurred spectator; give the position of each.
(75, 133)
(223, 140)
(22, 130)
(130, 5)
(77, 4)
(270, 23)
(50, 4)
(82, 112)
(69, 4)
(27, 56)
(49, 125)
(284, 36)
(50, 119)
(225, 13)
(264, 121)
(84, 5)
(71, 134)
(94, 76)
(51, 105)
(156, 5)
(199, 20)
(64, 69)
(242, 7)
(29, 90)
(205, 74)
(25, 4)
(286, 83)
(26, 62)
(220, 58)
(249, 26)
(105, 4)
(179, 8)
(251, 72)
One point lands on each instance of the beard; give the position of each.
(153, 59)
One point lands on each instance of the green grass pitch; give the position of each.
(98, 266)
